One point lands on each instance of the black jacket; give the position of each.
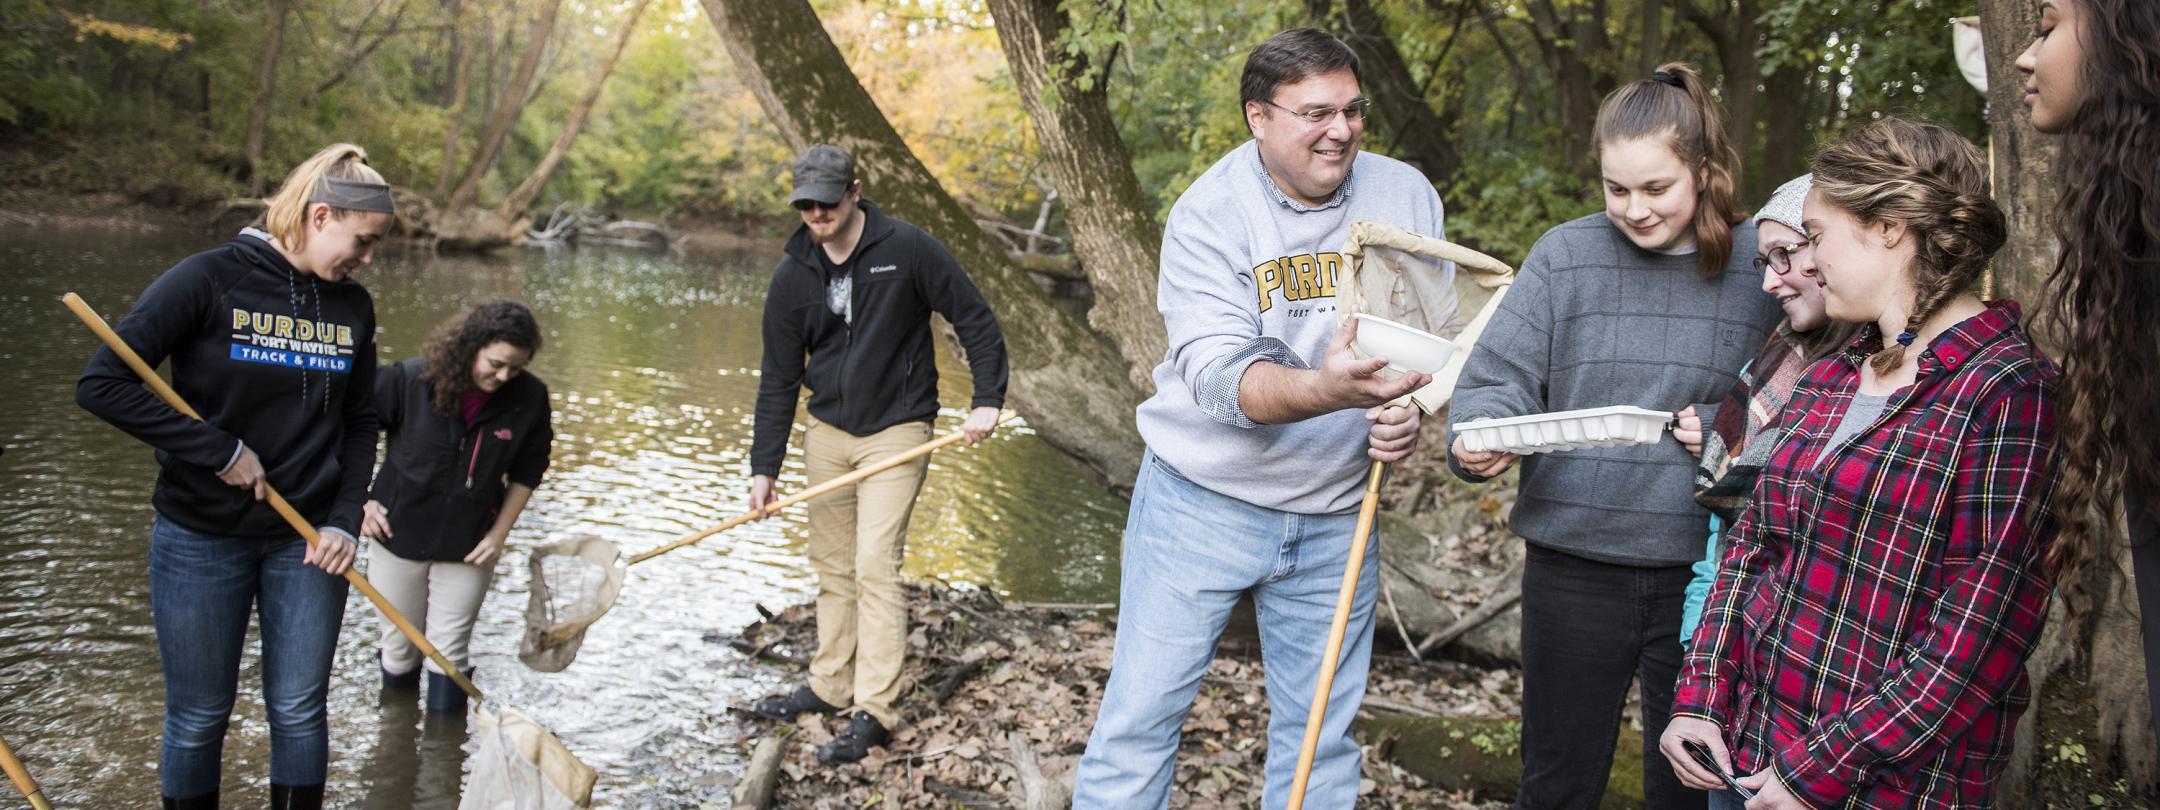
(269, 356)
(442, 482)
(882, 370)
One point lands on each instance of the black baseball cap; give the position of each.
(823, 174)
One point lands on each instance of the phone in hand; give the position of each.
(1702, 756)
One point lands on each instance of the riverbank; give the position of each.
(1000, 699)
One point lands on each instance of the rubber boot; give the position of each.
(207, 801)
(408, 682)
(296, 797)
(443, 694)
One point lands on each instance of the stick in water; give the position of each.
(299, 524)
(21, 777)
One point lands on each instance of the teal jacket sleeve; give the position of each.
(1698, 589)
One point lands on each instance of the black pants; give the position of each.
(1588, 629)
(2145, 566)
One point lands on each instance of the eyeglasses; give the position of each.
(1780, 258)
(805, 205)
(1352, 112)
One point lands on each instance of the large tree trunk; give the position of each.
(461, 57)
(1570, 45)
(265, 83)
(1785, 129)
(1734, 31)
(509, 104)
(1070, 382)
(1414, 131)
(1114, 231)
(522, 197)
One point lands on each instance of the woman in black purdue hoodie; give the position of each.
(469, 435)
(275, 347)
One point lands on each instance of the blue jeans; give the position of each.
(1189, 553)
(201, 589)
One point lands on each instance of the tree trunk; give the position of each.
(1733, 30)
(522, 197)
(509, 104)
(265, 82)
(2028, 172)
(1650, 31)
(1071, 383)
(1785, 128)
(1114, 232)
(1418, 135)
(461, 55)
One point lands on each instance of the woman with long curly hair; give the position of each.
(1864, 644)
(2092, 76)
(468, 432)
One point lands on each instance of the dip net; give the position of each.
(1421, 282)
(517, 765)
(573, 583)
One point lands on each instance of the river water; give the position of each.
(652, 361)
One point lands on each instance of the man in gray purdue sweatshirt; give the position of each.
(1261, 430)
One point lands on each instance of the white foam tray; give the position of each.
(1564, 430)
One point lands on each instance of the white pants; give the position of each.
(440, 598)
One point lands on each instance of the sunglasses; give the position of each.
(806, 205)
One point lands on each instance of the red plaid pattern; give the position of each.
(1867, 633)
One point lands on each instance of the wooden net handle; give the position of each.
(299, 524)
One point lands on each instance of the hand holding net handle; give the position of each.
(843, 481)
(299, 524)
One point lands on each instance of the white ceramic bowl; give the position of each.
(1407, 349)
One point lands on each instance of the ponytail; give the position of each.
(287, 218)
(1674, 105)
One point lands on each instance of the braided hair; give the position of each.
(1935, 183)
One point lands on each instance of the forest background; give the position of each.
(1082, 120)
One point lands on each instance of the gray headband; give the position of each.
(353, 195)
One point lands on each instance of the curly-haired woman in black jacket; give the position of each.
(469, 434)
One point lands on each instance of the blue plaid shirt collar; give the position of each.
(1282, 198)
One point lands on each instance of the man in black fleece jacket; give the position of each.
(854, 292)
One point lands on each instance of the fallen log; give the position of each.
(1483, 754)
(755, 792)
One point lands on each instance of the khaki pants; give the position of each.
(857, 537)
(440, 598)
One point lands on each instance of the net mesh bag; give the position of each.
(574, 582)
(517, 765)
(1421, 282)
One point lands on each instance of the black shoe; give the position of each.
(443, 694)
(207, 801)
(863, 733)
(296, 797)
(785, 708)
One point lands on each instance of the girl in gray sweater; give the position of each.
(1653, 304)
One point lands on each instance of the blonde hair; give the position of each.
(1933, 182)
(287, 217)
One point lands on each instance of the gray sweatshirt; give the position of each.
(1593, 321)
(1248, 274)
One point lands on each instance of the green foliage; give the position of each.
(678, 132)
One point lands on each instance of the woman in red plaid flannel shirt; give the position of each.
(1865, 642)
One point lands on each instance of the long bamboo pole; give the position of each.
(21, 777)
(847, 480)
(299, 524)
(1344, 597)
